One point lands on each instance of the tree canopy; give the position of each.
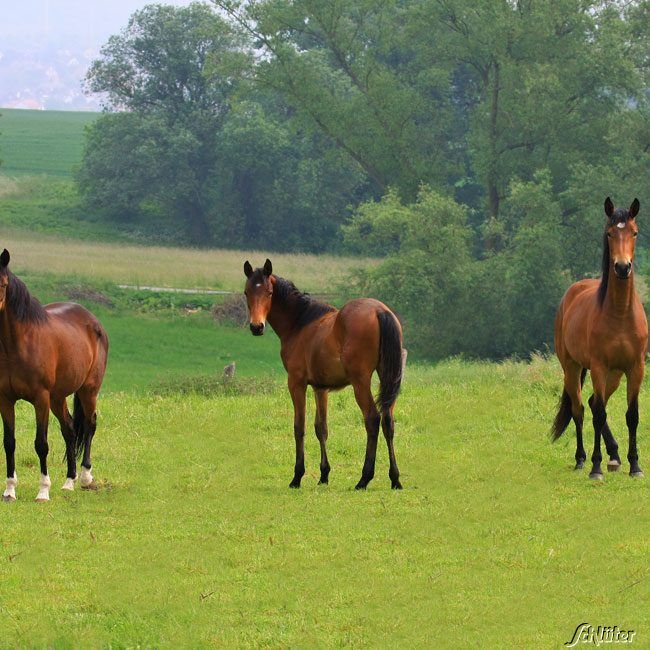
(395, 128)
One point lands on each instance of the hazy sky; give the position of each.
(88, 22)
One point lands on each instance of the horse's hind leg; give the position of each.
(60, 410)
(371, 418)
(573, 379)
(388, 427)
(42, 408)
(597, 404)
(88, 398)
(320, 426)
(9, 440)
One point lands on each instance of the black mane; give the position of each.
(619, 216)
(305, 308)
(24, 308)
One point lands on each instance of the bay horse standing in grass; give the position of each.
(46, 354)
(328, 349)
(601, 327)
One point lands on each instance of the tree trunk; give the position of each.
(196, 225)
(493, 175)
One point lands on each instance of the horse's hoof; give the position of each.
(637, 474)
(8, 498)
(86, 478)
(579, 465)
(68, 485)
(42, 499)
(323, 481)
(360, 486)
(596, 476)
(613, 465)
(396, 486)
(294, 485)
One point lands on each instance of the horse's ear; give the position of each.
(4, 258)
(248, 269)
(268, 267)
(634, 208)
(609, 207)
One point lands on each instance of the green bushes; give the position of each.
(452, 302)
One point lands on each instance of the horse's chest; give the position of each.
(14, 383)
(620, 353)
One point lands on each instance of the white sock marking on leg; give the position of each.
(68, 485)
(44, 491)
(86, 477)
(10, 493)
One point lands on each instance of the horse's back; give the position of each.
(340, 343)
(81, 340)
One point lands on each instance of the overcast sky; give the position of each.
(46, 47)
(88, 22)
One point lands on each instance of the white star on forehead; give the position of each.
(620, 224)
(259, 284)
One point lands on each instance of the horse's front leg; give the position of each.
(298, 390)
(320, 426)
(634, 380)
(9, 440)
(42, 408)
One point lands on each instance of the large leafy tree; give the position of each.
(172, 73)
(347, 66)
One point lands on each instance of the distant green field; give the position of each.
(41, 142)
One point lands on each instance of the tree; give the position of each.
(347, 66)
(174, 71)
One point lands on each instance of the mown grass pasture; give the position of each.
(170, 267)
(194, 539)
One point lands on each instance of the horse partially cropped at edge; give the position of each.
(601, 326)
(328, 349)
(46, 354)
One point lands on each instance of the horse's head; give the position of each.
(4, 277)
(621, 231)
(259, 293)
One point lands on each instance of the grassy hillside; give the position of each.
(41, 142)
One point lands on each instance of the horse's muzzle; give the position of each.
(623, 270)
(257, 329)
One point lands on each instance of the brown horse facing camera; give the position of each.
(328, 349)
(46, 354)
(601, 327)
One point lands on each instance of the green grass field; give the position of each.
(42, 142)
(195, 540)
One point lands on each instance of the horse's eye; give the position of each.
(270, 293)
(635, 234)
(609, 234)
(245, 292)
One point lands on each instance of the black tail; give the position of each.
(390, 360)
(80, 431)
(564, 414)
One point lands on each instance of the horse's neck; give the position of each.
(620, 294)
(281, 318)
(9, 330)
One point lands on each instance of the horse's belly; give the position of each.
(326, 369)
